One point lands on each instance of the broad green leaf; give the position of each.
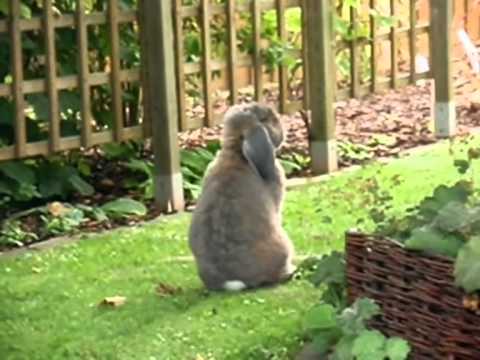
(467, 266)
(462, 165)
(452, 217)
(329, 269)
(124, 207)
(397, 349)
(4, 8)
(343, 349)
(5, 188)
(368, 343)
(81, 186)
(117, 151)
(6, 112)
(321, 317)
(18, 171)
(458, 192)
(53, 179)
(324, 340)
(194, 160)
(141, 165)
(352, 320)
(289, 166)
(432, 241)
(25, 11)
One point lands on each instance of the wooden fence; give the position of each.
(164, 72)
(52, 84)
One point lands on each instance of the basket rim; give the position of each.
(394, 243)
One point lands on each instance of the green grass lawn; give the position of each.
(49, 300)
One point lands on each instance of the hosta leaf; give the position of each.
(18, 171)
(196, 160)
(467, 266)
(5, 188)
(397, 349)
(434, 242)
(124, 207)
(81, 186)
(321, 317)
(140, 165)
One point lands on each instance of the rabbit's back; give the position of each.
(236, 232)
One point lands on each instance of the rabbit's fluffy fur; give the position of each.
(236, 234)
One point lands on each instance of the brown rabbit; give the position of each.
(236, 234)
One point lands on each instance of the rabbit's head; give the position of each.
(256, 131)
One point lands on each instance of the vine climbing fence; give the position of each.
(74, 74)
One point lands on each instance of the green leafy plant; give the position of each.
(194, 164)
(22, 181)
(344, 335)
(63, 223)
(447, 223)
(328, 273)
(12, 234)
(146, 183)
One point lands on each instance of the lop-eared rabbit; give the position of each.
(236, 235)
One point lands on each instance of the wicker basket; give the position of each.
(417, 295)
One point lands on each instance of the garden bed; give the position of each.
(419, 300)
(380, 125)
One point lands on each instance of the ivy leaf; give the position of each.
(321, 317)
(467, 266)
(432, 241)
(397, 349)
(368, 343)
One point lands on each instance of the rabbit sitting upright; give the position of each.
(236, 235)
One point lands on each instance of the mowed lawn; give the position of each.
(49, 300)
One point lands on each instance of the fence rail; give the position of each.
(236, 68)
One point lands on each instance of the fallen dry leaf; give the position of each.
(57, 209)
(471, 302)
(114, 301)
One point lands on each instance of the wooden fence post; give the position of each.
(321, 85)
(161, 106)
(441, 55)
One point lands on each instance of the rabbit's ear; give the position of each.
(259, 152)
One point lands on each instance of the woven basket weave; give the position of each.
(418, 298)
